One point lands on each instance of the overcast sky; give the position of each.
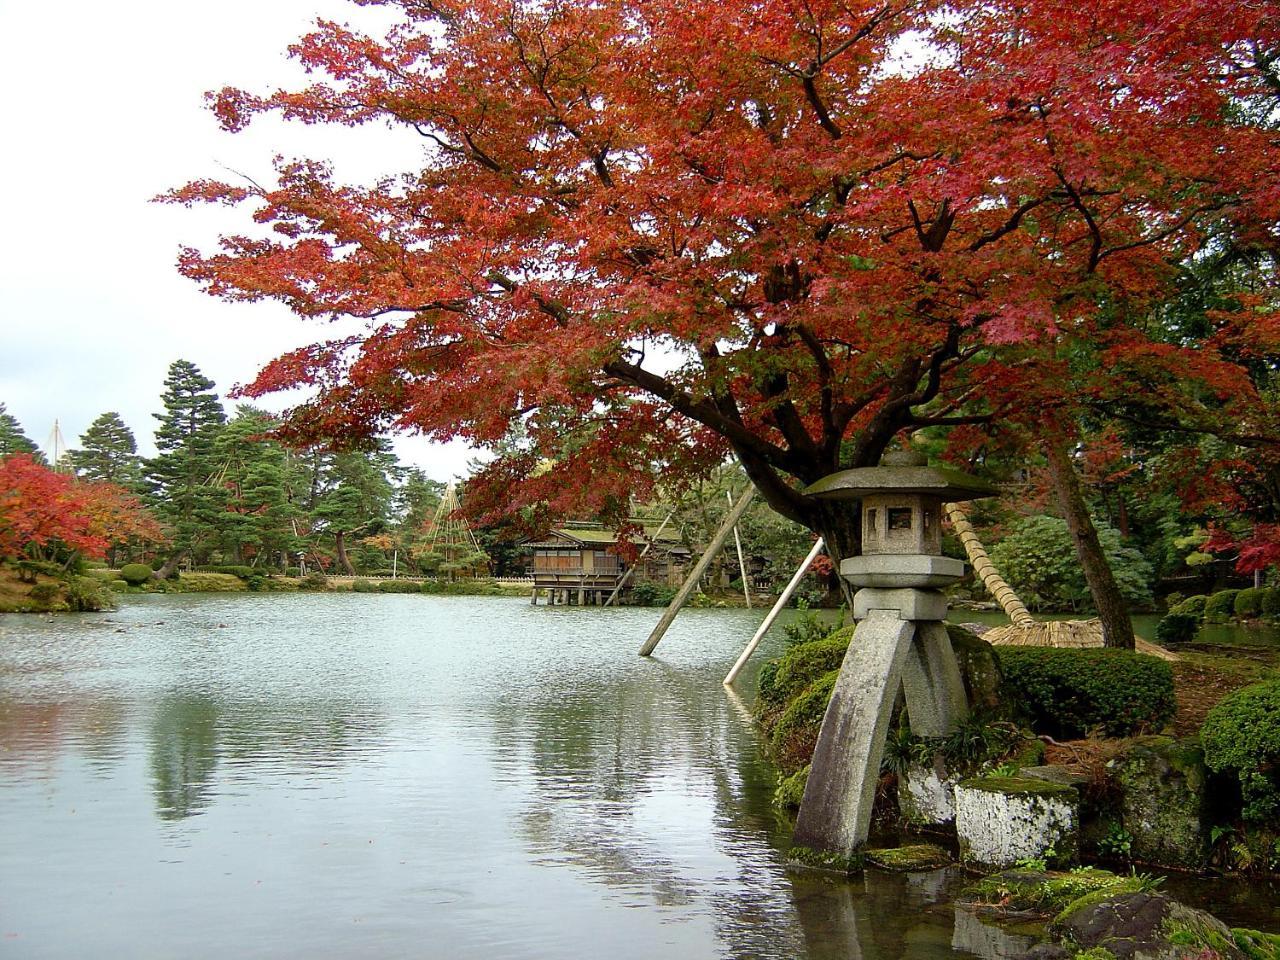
(103, 110)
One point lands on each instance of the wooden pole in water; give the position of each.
(742, 565)
(626, 574)
(699, 568)
(732, 675)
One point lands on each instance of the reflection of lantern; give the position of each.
(900, 641)
(901, 520)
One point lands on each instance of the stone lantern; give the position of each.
(900, 641)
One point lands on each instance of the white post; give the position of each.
(773, 614)
(742, 566)
(395, 557)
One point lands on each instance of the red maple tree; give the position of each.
(42, 510)
(645, 234)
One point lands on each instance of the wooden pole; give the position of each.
(742, 565)
(699, 568)
(626, 574)
(732, 675)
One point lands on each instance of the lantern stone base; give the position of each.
(899, 644)
(1003, 820)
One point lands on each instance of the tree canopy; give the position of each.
(790, 231)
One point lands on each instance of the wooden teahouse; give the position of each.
(578, 562)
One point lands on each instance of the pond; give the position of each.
(346, 775)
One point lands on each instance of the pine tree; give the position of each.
(355, 498)
(12, 439)
(108, 453)
(264, 482)
(184, 474)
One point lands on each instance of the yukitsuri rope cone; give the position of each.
(1026, 631)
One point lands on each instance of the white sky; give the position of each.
(103, 110)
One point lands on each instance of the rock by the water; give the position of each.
(1162, 803)
(1146, 926)
(979, 669)
(908, 859)
(926, 795)
(1003, 820)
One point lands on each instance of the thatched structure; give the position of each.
(1025, 630)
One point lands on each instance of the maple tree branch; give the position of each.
(1008, 226)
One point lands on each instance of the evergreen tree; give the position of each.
(12, 439)
(185, 472)
(263, 482)
(355, 497)
(108, 453)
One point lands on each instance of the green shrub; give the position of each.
(806, 628)
(47, 596)
(462, 588)
(803, 664)
(88, 594)
(803, 717)
(1249, 603)
(314, 581)
(1038, 559)
(1242, 735)
(1068, 693)
(1220, 607)
(1193, 605)
(399, 586)
(1175, 628)
(235, 570)
(791, 790)
(652, 594)
(28, 570)
(364, 586)
(1271, 602)
(136, 574)
(119, 586)
(208, 583)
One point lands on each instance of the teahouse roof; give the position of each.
(901, 472)
(595, 534)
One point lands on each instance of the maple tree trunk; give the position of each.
(340, 542)
(1117, 628)
(839, 523)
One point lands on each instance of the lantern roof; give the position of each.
(904, 471)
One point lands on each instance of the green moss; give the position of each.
(791, 789)
(1188, 932)
(1256, 945)
(1025, 786)
(805, 712)
(801, 665)
(1119, 887)
(823, 860)
(917, 856)
(1045, 892)
(1094, 953)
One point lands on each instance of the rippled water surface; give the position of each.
(403, 776)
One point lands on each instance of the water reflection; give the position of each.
(184, 754)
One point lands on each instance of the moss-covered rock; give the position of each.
(796, 731)
(1044, 893)
(1256, 945)
(1163, 801)
(1002, 821)
(1145, 925)
(823, 860)
(979, 668)
(909, 859)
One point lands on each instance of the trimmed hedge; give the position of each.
(1068, 693)
(363, 586)
(1193, 604)
(1249, 603)
(1220, 607)
(1175, 628)
(236, 570)
(1242, 735)
(1271, 602)
(136, 574)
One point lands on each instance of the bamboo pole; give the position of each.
(699, 568)
(742, 564)
(985, 569)
(626, 574)
(732, 675)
